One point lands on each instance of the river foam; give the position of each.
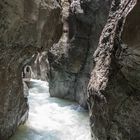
(52, 118)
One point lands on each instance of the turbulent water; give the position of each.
(52, 118)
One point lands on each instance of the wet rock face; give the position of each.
(113, 90)
(71, 58)
(25, 28)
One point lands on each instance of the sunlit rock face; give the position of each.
(25, 27)
(71, 58)
(40, 66)
(113, 91)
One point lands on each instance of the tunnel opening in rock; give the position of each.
(27, 72)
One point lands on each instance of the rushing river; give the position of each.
(52, 118)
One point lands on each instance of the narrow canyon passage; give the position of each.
(88, 51)
(52, 118)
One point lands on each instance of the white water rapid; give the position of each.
(52, 118)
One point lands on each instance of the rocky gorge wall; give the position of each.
(25, 28)
(113, 90)
(68, 33)
(71, 58)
